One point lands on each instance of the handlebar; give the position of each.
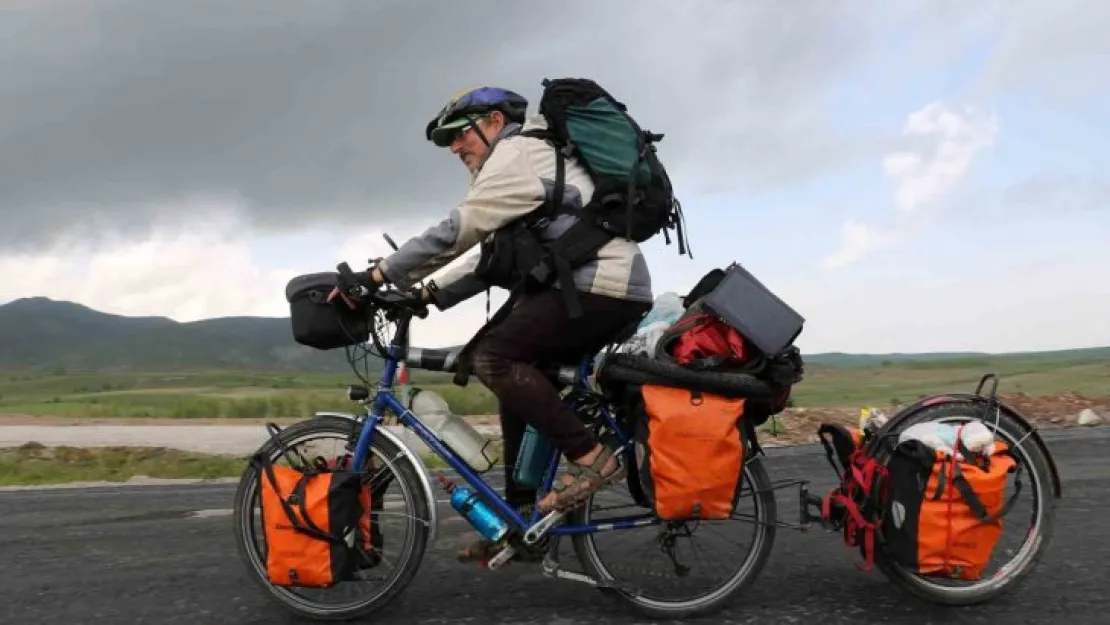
(447, 360)
(397, 302)
(393, 301)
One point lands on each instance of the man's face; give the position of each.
(468, 145)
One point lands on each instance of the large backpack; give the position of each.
(632, 195)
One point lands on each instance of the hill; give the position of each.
(942, 359)
(40, 334)
(45, 335)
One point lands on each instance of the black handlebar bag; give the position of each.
(318, 323)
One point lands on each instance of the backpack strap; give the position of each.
(581, 241)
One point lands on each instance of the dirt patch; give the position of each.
(794, 426)
(1056, 410)
(799, 425)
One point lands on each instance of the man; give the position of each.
(510, 176)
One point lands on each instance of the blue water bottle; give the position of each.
(467, 503)
(531, 462)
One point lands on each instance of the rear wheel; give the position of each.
(405, 508)
(1037, 534)
(710, 596)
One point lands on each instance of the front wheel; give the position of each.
(405, 510)
(1035, 537)
(705, 591)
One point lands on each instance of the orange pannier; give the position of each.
(311, 519)
(691, 450)
(944, 516)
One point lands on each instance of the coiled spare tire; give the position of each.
(638, 370)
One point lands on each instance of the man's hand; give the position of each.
(376, 278)
(335, 292)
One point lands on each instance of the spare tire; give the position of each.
(636, 370)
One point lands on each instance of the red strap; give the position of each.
(858, 480)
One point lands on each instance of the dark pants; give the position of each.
(538, 331)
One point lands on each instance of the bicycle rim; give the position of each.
(1035, 541)
(757, 484)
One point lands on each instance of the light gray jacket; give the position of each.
(516, 178)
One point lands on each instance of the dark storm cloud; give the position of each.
(115, 114)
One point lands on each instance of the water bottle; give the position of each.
(476, 450)
(531, 462)
(467, 503)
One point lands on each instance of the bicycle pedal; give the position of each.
(501, 559)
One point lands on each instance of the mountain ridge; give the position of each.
(40, 333)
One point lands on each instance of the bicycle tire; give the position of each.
(1036, 464)
(765, 495)
(405, 476)
(640, 370)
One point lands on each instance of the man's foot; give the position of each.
(477, 551)
(584, 477)
(481, 549)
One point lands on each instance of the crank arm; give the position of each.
(542, 527)
(553, 569)
(501, 558)
(586, 579)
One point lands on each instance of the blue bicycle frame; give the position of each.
(384, 400)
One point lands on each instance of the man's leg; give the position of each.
(538, 330)
(512, 434)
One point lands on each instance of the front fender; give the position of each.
(417, 463)
(979, 400)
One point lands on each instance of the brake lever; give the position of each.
(346, 276)
(349, 282)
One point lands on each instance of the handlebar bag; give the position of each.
(318, 323)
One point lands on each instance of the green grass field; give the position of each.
(259, 395)
(35, 464)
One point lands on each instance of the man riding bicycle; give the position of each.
(510, 176)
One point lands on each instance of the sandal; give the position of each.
(477, 551)
(584, 480)
(483, 549)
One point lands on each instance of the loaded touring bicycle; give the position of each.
(339, 532)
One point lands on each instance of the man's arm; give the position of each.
(455, 286)
(505, 189)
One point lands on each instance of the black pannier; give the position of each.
(318, 323)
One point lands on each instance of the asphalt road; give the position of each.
(137, 555)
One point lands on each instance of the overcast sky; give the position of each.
(877, 164)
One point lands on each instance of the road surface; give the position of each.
(144, 555)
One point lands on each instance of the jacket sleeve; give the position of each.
(506, 188)
(457, 284)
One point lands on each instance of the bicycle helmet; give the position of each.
(467, 106)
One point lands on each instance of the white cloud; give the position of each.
(921, 177)
(856, 241)
(200, 273)
(203, 272)
(919, 308)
